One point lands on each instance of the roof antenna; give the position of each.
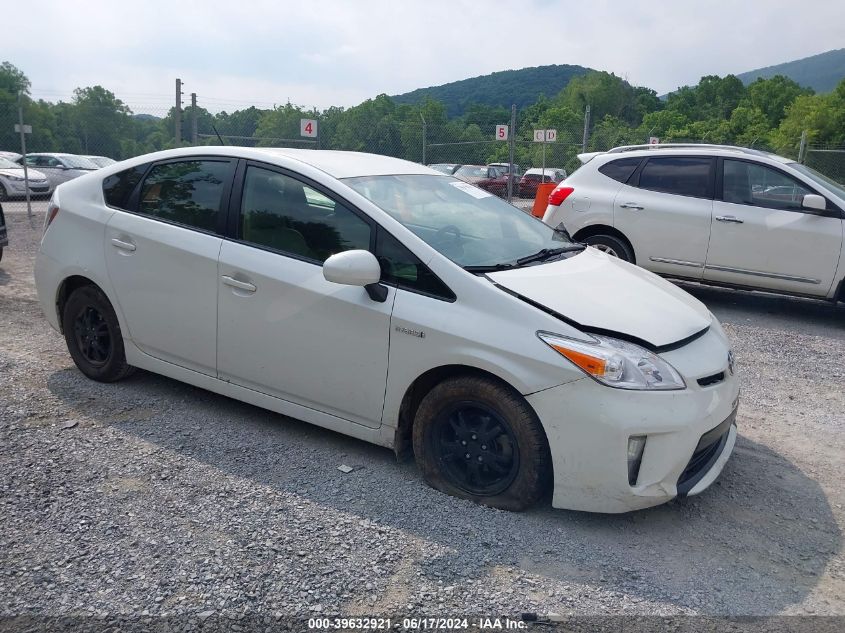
(219, 138)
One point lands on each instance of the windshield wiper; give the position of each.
(490, 268)
(547, 253)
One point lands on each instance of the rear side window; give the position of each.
(118, 187)
(620, 169)
(401, 267)
(185, 192)
(680, 176)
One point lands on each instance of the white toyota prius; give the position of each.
(388, 301)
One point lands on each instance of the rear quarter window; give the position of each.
(118, 187)
(621, 169)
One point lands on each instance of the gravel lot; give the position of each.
(163, 499)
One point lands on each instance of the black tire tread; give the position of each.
(535, 469)
(117, 368)
(616, 243)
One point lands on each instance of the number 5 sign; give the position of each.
(501, 132)
(308, 127)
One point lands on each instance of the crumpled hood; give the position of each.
(598, 291)
(32, 173)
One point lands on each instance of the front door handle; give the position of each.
(236, 283)
(124, 246)
(631, 205)
(729, 218)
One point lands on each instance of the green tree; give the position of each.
(102, 121)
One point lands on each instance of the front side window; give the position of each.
(761, 186)
(468, 225)
(185, 192)
(680, 176)
(284, 214)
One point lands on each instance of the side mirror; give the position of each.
(814, 202)
(352, 268)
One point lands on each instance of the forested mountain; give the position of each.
(499, 89)
(820, 72)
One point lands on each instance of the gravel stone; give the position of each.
(167, 499)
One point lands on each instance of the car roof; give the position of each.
(539, 170)
(336, 163)
(693, 149)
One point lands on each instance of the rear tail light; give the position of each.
(52, 212)
(559, 195)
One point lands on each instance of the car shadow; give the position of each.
(723, 552)
(781, 312)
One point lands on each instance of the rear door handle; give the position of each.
(240, 285)
(729, 218)
(631, 205)
(124, 246)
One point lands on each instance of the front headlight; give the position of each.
(15, 178)
(616, 363)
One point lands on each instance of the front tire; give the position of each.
(93, 336)
(611, 245)
(4, 195)
(477, 439)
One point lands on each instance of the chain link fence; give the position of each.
(827, 160)
(97, 123)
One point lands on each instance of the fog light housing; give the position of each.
(636, 446)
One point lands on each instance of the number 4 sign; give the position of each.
(308, 127)
(501, 132)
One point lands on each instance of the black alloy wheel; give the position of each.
(477, 449)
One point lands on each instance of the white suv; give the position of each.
(715, 214)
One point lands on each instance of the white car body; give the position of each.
(13, 182)
(753, 241)
(271, 330)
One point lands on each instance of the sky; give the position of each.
(333, 52)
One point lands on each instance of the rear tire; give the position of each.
(509, 464)
(93, 336)
(611, 245)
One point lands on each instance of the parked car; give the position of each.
(534, 176)
(490, 179)
(12, 156)
(715, 214)
(385, 300)
(446, 168)
(13, 184)
(517, 175)
(59, 168)
(101, 161)
(4, 236)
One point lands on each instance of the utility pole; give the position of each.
(193, 118)
(511, 143)
(802, 149)
(178, 113)
(23, 152)
(424, 137)
(586, 128)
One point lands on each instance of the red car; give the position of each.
(533, 177)
(490, 179)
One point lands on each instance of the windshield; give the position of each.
(5, 163)
(812, 174)
(102, 161)
(468, 225)
(77, 162)
(471, 171)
